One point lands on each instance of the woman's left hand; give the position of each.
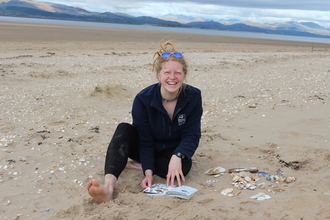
(174, 171)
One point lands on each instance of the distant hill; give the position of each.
(32, 9)
(312, 25)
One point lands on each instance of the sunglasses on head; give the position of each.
(176, 54)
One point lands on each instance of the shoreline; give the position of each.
(36, 32)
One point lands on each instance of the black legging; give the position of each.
(125, 143)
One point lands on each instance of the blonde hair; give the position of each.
(159, 60)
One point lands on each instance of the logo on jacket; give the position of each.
(181, 119)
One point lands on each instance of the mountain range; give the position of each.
(32, 9)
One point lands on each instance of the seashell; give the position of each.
(260, 198)
(282, 179)
(236, 178)
(254, 196)
(227, 191)
(267, 196)
(256, 178)
(269, 190)
(272, 178)
(261, 186)
(290, 179)
(237, 192)
(240, 186)
(243, 173)
(247, 179)
(215, 170)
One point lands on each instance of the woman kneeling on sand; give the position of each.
(165, 132)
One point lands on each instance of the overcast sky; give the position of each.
(261, 11)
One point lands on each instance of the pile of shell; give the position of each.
(251, 181)
(242, 180)
(249, 178)
(278, 177)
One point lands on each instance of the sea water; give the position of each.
(170, 29)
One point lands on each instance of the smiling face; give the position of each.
(171, 78)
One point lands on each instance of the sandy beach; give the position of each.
(64, 89)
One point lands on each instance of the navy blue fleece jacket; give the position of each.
(156, 130)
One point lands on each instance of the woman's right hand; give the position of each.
(147, 181)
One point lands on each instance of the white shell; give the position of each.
(290, 179)
(227, 191)
(254, 196)
(247, 178)
(236, 179)
(215, 170)
(267, 196)
(260, 196)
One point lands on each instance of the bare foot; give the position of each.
(98, 193)
(133, 165)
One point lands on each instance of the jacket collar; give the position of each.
(156, 102)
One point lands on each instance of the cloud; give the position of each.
(321, 5)
(313, 5)
(252, 10)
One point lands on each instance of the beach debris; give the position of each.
(290, 179)
(245, 169)
(11, 161)
(260, 196)
(23, 159)
(293, 164)
(215, 171)
(209, 183)
(236, 192)
(7, 141)
(6, 203)
(52, 173)
(79, 182)
(277, 177)
(243, 180)
(227, 192)
(230, 192)
(247, 180)
(95, 129)
(251, 181)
